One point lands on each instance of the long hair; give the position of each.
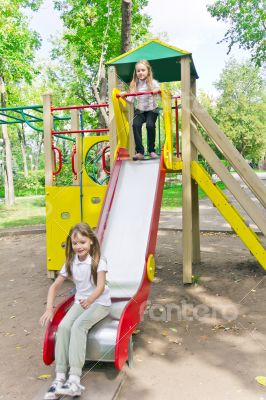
(133, 83)
(95, 252)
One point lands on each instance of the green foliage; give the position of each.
(241, 108)
(32, 185)
(246, 20)
(17, 42)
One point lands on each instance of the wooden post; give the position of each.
(195, 199)
(186, 172)
(112, 83)
(75, 126)
(48, 139)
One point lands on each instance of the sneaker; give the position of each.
(51, 393)
(153, 155)
(138, 156)
(70, 388)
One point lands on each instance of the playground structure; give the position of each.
(128, 215)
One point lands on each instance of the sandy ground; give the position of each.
(204, 342)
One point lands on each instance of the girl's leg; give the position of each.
(138, 121)
(151, 130)
(78, 340)
(63, 338)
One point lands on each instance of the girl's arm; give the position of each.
(48, 314)
(97, 292)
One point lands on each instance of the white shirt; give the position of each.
(145, 102)
(81, 275)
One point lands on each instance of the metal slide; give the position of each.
(229, 212)
(127, 231)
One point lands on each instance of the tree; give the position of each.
(17, 45)
(247, 25)
(93, 36)
(241, 108)
(126, 7)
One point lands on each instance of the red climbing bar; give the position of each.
(79, 107)
(80, 131)
(136, 94)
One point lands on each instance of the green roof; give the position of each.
(164, 60)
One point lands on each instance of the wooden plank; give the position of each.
(75, 126)
(229, 151)
(233, 185)
(186, 173)
(195, 200)
(112, 83)
(48, 139)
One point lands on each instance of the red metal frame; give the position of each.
(60, 159)
(136, 94)
(103, 160)
(135, 308)
(80, 131)
(79, 107)
(176, 128)
(74, 152)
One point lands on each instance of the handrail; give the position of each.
(104, 161)
(74, 152)
(55, 148)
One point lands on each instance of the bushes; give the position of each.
(32, 185)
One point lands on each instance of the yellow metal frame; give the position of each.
(121, 120)
(229, 212)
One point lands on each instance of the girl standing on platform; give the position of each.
(87, 269)
(146, 108)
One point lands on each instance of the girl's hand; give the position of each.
(123, 94)
(85, 303)
(47, 317)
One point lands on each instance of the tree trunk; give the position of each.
(126, 25)
(22, 139)
(38, 152)
(9, 183)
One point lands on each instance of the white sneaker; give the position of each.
(70, 388)
(51, 392)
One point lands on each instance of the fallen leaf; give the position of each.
(44, 376)
(261, 380)
(173, 329)
(136, 332)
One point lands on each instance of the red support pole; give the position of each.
(136, 94)
(176, 127)
(79, 131)
(79, 107)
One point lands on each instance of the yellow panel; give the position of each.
(93, 198)
(62, 212)
(248, 237)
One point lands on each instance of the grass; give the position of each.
(26, 211)
(172, 195)
(31, 210)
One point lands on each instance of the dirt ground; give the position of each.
(205, 341)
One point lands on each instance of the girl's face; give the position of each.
(81, 245)
(142, 71)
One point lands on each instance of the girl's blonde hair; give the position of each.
(95, 252)
(133, 83)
